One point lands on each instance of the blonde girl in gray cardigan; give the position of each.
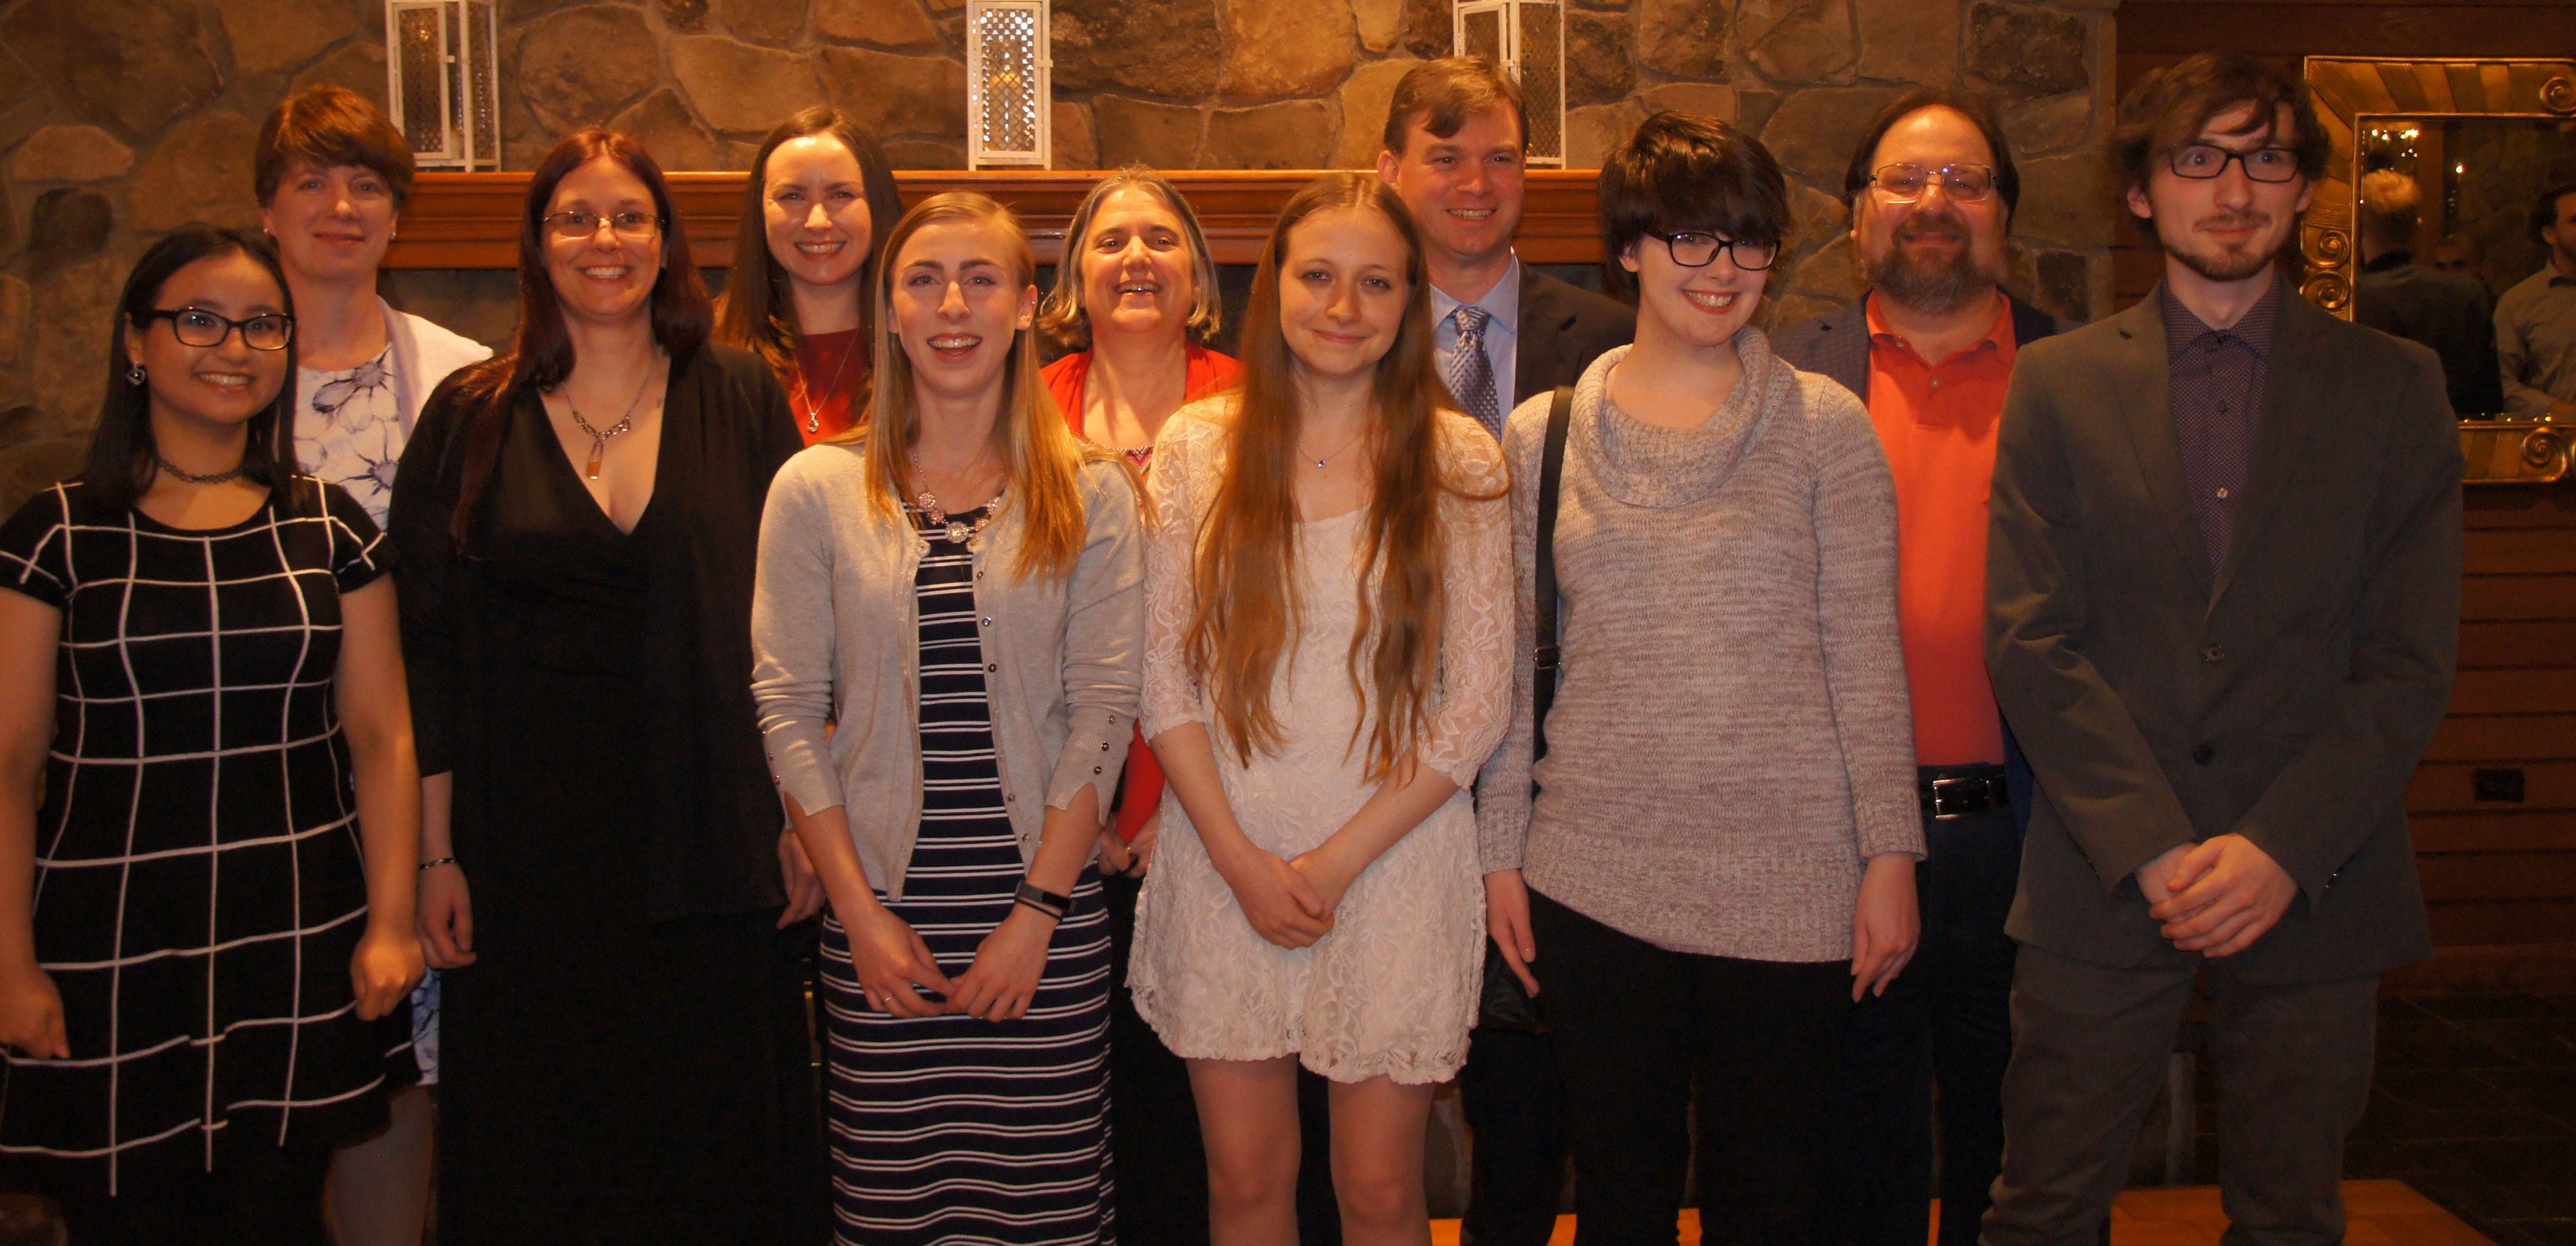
(1720, 855)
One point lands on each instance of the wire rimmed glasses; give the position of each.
(1905, 183)
(631, 226)
(1692, 249)
(195, 326)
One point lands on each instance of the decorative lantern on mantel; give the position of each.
(442, 80)
(1526, 38)
(1010, 110)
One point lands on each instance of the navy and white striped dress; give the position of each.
(952, 1129)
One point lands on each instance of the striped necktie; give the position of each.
(1469, 373)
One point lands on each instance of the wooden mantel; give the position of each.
(471, 220)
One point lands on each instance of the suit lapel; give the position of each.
(2292, 377)
(2142, 390)
(1543, 334)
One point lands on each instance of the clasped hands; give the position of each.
(2216, 897)
(894, 966)
(1288, 901)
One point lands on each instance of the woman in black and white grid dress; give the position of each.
(958, 582)
(201, 931)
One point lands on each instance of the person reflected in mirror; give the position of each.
(970, 572)
(1326, 666)
(1137, 302)
(2535, 322)
(332, 176)
(2449, 312)
(625, 1051)
(2222, 593)
(1719, 858)
(1931, 189)
(1457, 152)
(820, 197)
(209, 804)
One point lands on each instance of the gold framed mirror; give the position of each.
(2472, 142)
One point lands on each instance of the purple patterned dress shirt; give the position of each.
(2217, 383)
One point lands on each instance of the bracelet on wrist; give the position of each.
(431, 865)
(1043, 900)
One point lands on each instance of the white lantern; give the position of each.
(1526, 38)
(442, 80)
(1010, 109)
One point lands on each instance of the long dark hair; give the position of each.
(540, 354)
(759, 312)
(121, 454)
(1243, 571)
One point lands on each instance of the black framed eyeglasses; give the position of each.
(1697, 250)
(2203, 161)
(1905, 183)
(195, 326)
(632, 226)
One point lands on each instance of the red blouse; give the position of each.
(831, 381)
(1209, 373)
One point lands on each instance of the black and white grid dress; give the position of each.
(198, 891)
(952, 1129)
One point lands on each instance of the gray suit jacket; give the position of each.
(1564, 327)
(2285, 698)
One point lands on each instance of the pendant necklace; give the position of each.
(926, 502)
(805, 390)
(195, 479)
(625, 423)
(1355, 440)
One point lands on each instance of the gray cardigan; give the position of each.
(1731, 737)
(835, 630)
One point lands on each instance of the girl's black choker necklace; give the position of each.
(194, 479)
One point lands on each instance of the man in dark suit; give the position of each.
(2223, 596)
(1929, 349)
(2450, 312)
(1456, 136)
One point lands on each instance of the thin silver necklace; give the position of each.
(813, 409)
(1355, 440)
(624, 424)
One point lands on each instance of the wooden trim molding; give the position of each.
(470, 220)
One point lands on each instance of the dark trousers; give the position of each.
(268, 1195)
(1509, 1091)
(1161, 1163)
(1642, 1035)
(1946, 1022)
(2089, 1056)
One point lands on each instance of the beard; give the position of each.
(1936, 283)
(2229, 263)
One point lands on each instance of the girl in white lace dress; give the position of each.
(1328, 649)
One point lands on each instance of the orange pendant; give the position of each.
(596, 447)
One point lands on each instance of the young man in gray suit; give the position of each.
(1929, 349)
(2223, 607)
(1456, 138)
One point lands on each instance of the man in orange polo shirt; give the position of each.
(1930, 350)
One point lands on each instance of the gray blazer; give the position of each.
(835, 634)
(1564, 327)
(1837, 343)
(2285, 698)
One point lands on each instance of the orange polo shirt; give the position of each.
(1937, 422)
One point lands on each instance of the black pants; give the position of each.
(1945, 1021)
(2089, 1055)
(1641, 1034)
(268, 1195)
(1510, 1095)
(1161, 1162)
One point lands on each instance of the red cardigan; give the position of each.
(1209, 373)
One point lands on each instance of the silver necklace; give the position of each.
(813, 409)
(1355, 440)
(624, 424)
(926, 502)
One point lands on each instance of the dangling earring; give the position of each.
(134, 375)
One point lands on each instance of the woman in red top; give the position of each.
(1136, 299)
(821, 197)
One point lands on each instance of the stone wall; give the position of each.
(123, 119)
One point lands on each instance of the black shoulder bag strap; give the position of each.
(1551, 479)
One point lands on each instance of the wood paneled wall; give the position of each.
(2500, 875)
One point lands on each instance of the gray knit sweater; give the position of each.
(1731, 737)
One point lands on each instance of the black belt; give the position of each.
(1959, 791)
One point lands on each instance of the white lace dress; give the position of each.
(1392, 989)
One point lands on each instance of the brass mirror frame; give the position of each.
(2349, 88)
